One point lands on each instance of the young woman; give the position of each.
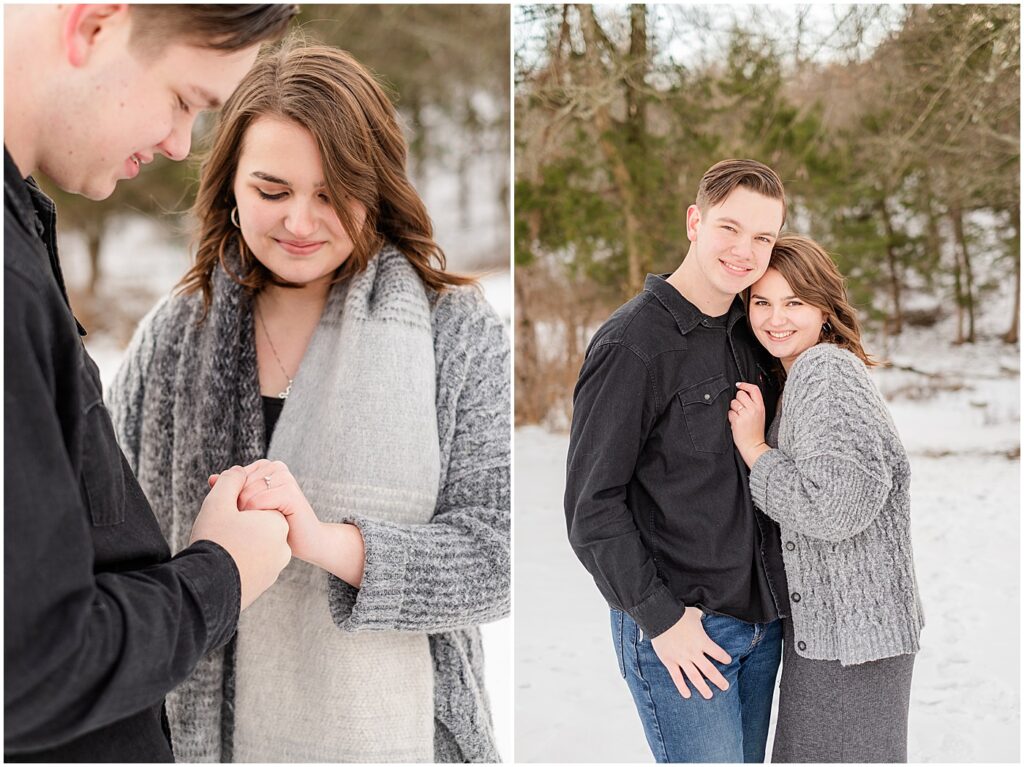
(318, 330)
(833, 473)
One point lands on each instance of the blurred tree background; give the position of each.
(447, 70)
(895, 129)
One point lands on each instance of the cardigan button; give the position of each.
(795, 596)
(790, 545)
(801, 645)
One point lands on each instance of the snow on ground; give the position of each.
(964, 444)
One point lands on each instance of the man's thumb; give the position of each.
(229, 485)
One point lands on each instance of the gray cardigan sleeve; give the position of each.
(454, 571)
(830, 476)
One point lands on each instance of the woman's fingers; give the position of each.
(275, 499)
(256, 485)
(745, 399)
(752, 390)
(263, 464)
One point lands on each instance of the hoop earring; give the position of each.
(827, 326)
(234, 217)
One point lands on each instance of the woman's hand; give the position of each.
(281, 492)
(746, 416)
(337, 548)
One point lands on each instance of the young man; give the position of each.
(99, 621)
(657, 502)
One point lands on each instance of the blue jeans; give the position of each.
(733, 725)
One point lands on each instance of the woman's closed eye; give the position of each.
(268, 196)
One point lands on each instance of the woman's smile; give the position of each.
(300, 247)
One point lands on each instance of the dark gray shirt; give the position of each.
(99, 621)
(657, 502)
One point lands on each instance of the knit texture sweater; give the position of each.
(439, 580)
(839, 486)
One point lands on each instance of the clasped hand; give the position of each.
(746, 417)
(270, 485)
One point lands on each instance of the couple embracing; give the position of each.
(738, 490)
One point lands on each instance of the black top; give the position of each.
(657, 500)
(272, 407)
(99, 622)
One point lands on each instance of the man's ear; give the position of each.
(692, 219)
(84, 26)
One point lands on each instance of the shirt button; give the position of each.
(801, 645)
(790, 545)
(795, 596)
(707, 396)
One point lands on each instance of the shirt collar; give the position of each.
(686, 315)
(17, 195)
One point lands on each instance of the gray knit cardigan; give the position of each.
(450, 582)
(839, 487)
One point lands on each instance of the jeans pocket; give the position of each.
(617, 639)
(706, 411)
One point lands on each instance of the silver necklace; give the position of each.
(287, 391)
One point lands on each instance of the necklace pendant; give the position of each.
(286, 392)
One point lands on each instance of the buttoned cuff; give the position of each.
(216, 586)
(658, 613)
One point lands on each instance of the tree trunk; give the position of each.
(636, 75)
(1011, 336)
(527, 385)
(94, 242)
(933, 236)
(529, 405)
(957, 218)
(464, 177)
(958, 295)
(635, 256)
(892, 260)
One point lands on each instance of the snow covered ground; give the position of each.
(962, 431)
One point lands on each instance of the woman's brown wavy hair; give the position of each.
(814, 279)
(335, 98)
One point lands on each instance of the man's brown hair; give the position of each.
(220, 27)
(723, 177)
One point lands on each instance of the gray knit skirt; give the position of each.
(834, 713)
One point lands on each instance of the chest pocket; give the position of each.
(102, 477)
(706, 410)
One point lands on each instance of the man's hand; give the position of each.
(257, 541)
(684, 648)
(282, 493)
(746, 417)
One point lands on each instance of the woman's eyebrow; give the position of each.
(269, 179)
(280, 181)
